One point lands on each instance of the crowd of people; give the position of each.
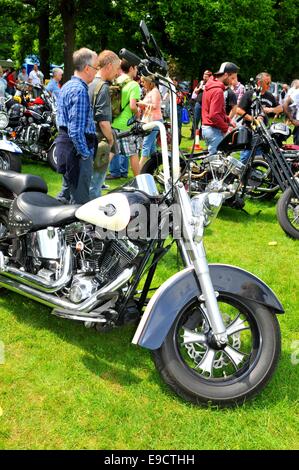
(220, 99)
(87, 145)
(10, 80)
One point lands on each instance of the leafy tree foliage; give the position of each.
(194, 34)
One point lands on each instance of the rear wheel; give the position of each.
(262, 170)
(287, 211)
(10, 161)
(199, 371)
(52, 157)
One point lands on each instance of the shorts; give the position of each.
(130, 145)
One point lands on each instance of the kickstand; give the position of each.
(253, 215)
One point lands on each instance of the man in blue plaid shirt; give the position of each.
(76, 141)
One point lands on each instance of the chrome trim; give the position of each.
(151, 125)
(54, 301)
(40, 283)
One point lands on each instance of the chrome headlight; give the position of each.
(206, 206)
(3, 120)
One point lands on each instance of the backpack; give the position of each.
(115, 90)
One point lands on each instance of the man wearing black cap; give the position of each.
(215, 122)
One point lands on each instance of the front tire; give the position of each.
(10, 161)
(287, 211)
(200, 373)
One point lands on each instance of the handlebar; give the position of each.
(136, 129)
(148, 66)
(132, 58)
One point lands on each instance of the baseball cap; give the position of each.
(227, 67)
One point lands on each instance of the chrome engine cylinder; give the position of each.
(48, 243)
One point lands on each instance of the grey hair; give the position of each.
(56, 71)
(261, 76)
(83, 57)
(295, 83)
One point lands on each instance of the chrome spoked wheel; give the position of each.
(199, 352)
(198, 370)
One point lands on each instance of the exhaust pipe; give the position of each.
(37, 282)
(53, 301)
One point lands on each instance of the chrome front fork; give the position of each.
(194, 254)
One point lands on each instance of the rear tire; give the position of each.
(200, 373)
(52, 158)
(287, 211)
(10, 161)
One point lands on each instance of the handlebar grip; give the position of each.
(132, 58)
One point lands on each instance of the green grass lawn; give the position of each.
(65, 387)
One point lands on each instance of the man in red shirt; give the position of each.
(215, 122)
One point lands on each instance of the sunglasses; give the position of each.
(95, 68)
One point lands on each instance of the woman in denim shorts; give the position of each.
(151, 111)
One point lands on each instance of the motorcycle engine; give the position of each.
(96, 262)
(36, 137)
(104, 258)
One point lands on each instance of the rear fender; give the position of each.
(182, 288)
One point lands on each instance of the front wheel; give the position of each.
(287, 211)
(10, 161)
(192, 364)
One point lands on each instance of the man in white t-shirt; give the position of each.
(36, 77)
(291, 109)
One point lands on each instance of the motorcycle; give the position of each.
(283, 163)
(10, 152)
(212, 329)
(33, 123)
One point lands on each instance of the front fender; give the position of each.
(9, 146)
(183, 287)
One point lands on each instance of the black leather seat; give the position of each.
(34, 211)
(18, 183)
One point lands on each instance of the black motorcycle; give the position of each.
(33, 123)
(212, 329)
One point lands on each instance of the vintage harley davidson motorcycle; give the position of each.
(212, 329)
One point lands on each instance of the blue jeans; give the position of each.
(245, 154)
(149, 144)
(79, 194)
(197, 114)
(119, 165)
(96, 183)
(212, 137)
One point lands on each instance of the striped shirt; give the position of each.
(75, 114)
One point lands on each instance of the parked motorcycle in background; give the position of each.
(212, 329)
(10, 152)
(33, 123)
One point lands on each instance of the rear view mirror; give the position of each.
(145, 32)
